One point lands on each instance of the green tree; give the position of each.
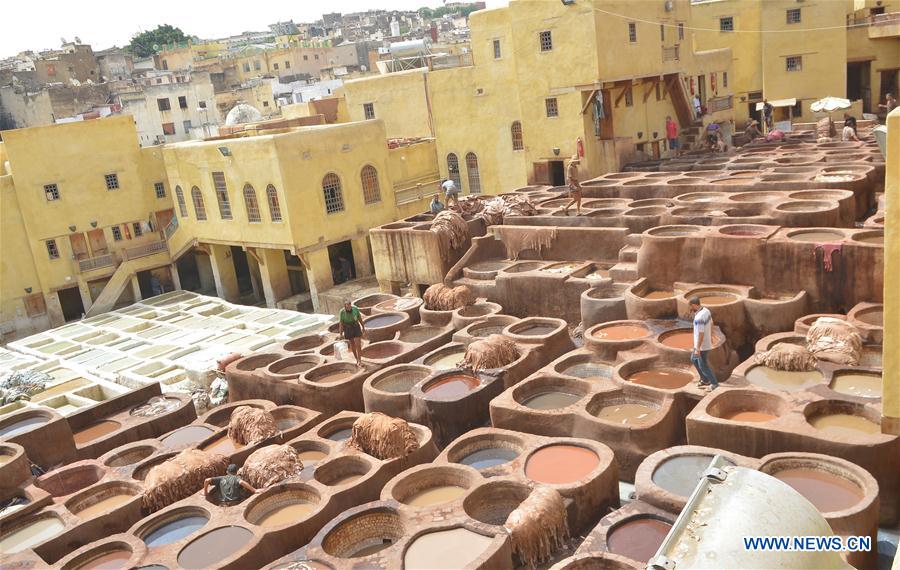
(142, 44)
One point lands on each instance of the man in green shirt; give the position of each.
(352, 328)
(229, 486)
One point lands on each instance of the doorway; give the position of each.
(888, 84)
(71, 304)
(296, 274)
(858, 86)
(343, 267)
(189, 273)
(242, 270)
(79, 246)
(557, 173)
(98, 242)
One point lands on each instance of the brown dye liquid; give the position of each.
(216, 545)
(287, 514)
(621, 332)
(658, 295)
(682, 340)
(295, 368)
(857, 384)
(223, 445)
(748, 416)
(110, 561)
(445, 550)
(450, 387)
(663, 379)
(560, 464)
(378, 351)
(818, 237)
(828, 492)
(447, 361)
(846, 425)
(638, 539)
(311, 457)
(626, 414)
(717, 299)
(345, 479)
(104, 505)
(783, 380)
(95, 431)
(335, 377)
(871, 239)
(186, 435)
(551, 400)
(435, 496)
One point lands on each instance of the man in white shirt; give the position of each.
(451, 192)
(703, 324)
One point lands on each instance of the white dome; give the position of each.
(242, 113)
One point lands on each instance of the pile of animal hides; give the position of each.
(834, 340)
(496, 209)
(517, 239)
(788, 357)
(439, 297)
(271, 464)
(382, 436)
(180, 477)
(250, 425)
(492, 352)
(538, 527)
(452, 231)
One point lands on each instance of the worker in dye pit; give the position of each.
(352, 328)
(451, 193)
(229, 485)
(574, 186)
(703, 324)
(436, 205)
(848, 133)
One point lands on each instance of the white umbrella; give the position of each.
(831, 104)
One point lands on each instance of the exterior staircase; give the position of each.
(137, 259)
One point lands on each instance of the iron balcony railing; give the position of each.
(670, 53)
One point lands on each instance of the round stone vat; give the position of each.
(788, 381)
(342, 470)
(702, 197)
(292, 367)
(255, 362)
(490, 325)
(129, 455)
(748, 406)
(561, 464)
(140, 472)
(872, 316)
(364, 533)
(744, 230)
(450, 386)
(679, 474)
(585, 367)
(23, 422)
(110, 556)
(213, 547)
(637, 537)
(310, 453)
(682, 339)
(185, 436)
(623, 409)
(337, 430)
(492, 502)
(484, 451)
(172, 526)
(382, 350)
(619, 331)
(332, 373)
(714, 296)
(817, 235)
(366, 302)
(25, 533)
(406, 305)
(830, 485)
(673, 231)
(378, 325)
(449, 548)
(303, 343)
(433, 485)
(95, 431)
(654, 375)
(445, 358)
(418, 334)
(221, 416)
(861, 383)
(478, 310)
(545, 393)
(596, 561)
(755, 196)
(535, 329)
(102, 499)
(523, 266)
(562, 268)
(399, 379)
(871, 237)
(841, 420)
(282, 505)
(287, 418)
(67, 480)
(651, 211)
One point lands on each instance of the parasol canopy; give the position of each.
(830, 104)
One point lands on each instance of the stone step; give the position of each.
(634, 239)
(628, 254)
(624, 271)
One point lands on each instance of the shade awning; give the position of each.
(778, 103)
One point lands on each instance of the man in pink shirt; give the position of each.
(672, 135)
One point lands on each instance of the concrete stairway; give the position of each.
(121, 279)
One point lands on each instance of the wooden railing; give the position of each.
(417, 191)
(670, 53)
(145, 250)
(719, 104)
(91, 263)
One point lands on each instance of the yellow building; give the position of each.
(544, 76)
(873, 52)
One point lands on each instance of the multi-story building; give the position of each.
(873, 52)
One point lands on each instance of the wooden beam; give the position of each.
(590, 99)
(651, 88)
(622, 94)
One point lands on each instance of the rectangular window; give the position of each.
(51, 192)
(369, 110)
(275, 66)
(726, 24)
(724, 79)
(182, 102)
(629, 97)
(317, 57)
(117, 233)
(163, 104)
(287, 64)
(797, 109)
(552, 107)
(794, 63)
(201, 104)
(680, 31)
(187, 126)
(546, 40)
(246, 66)
(662, 33)
(168, 128)
(112, 181)
(305, 58)
(496, 49)
(52, 250)
(136, 226)
(160, 190)
(632, 32)
(256, 65)
(793, 16)
(222, 195)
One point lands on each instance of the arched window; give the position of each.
(516, 132)
(274, 206)
(251, 204)
(222, 195)
(199, 208)
(453, 170)
(472, 171)
(371, 191)
(334, 196)
(179, 197)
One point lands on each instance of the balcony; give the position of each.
(418, 190)
(99, 262)
(144, 250)
(715, 104)
(670, 54)
(879, 26)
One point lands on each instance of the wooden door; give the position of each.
(98, 242)
(79, 246)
